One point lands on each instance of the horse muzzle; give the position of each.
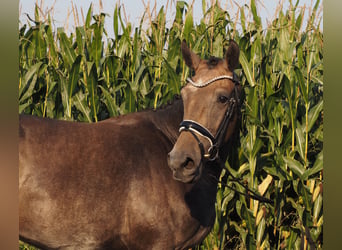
(183, 167)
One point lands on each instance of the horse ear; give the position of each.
(232, 55)
(191, 58)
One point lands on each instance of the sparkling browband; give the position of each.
(200, 85)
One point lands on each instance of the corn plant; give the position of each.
(87, 76)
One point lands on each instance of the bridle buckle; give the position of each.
(212, 154)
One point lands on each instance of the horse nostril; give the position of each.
(177, 162)
(188, 163)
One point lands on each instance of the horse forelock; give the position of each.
(213, 61)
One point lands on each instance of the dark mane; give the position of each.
(169, 102)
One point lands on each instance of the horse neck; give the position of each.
(167, 119)
(199, 194)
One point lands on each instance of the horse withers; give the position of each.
(138, 181)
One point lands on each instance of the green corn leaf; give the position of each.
(290, 242)
(217, 49)
(256, 18)
(68, 52)
(300, 141)
(299, 20)
(247, 69)
(91, 86)
(28, 83)
(295, 166)
(310, 61)
(179, 11)
(22, 107)
(89, 16)
(144, 86)
(318, 166)
(130, 100)
(189, 23)
(80, 40)
(135, 47)
(260, 231)
(27, 46)
(256, 148)
(314, 113)
(80, 102)
(96, 44)
(135, 84)
(300, 56)
(123, 48)
(65, 97)
(173, 80)
(252, 108)
(110, 102)
(116, 22)
(40, 44)
(161, 24)
(276, 171)
(302, 83)
(317, 207)
(243, 19)
(51, 44)
(36, 15)
(73, 79)
(304, 192)
(126, 29)
(120, 87)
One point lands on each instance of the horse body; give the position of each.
(104, 185)
(109, 185)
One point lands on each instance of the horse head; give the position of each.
(211, 105)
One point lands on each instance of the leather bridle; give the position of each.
(217, 141)
(196, 129)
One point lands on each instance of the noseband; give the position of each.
(197, 129)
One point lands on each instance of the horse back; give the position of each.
(84, 179)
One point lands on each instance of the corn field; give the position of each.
(87, 76)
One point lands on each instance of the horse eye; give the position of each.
(223, 99)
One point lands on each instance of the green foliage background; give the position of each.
(87, 76)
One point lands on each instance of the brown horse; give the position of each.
(135, 181)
